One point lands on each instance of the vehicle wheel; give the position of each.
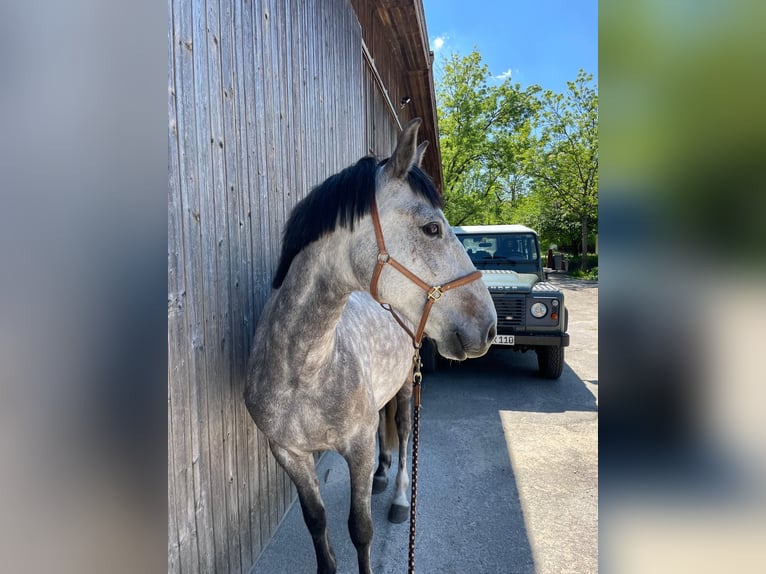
(550, 361)
(428, 356)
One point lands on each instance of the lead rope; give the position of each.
(417, 378)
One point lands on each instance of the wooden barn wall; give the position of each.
(265, 100)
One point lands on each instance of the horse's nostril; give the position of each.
(491, 334)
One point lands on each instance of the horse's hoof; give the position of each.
(398, 514)
(379, 484)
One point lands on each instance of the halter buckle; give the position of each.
(383, 257)
(435, 293)
(417, 379)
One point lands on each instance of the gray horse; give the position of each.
(327, 358)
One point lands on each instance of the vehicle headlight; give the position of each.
(538, 310)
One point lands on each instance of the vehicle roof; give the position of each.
(468, 229)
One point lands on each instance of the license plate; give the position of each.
(504, 340)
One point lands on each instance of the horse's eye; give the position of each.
(432, 229)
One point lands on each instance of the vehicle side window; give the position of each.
(517, 248)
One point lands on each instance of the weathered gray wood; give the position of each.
(194, 533)
(173, 546)
(177, 490)
(210, 400)
(229, 506)
(238, 261)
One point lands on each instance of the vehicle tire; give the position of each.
(550, 361)
(428, 356)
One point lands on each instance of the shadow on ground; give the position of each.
(522, 389)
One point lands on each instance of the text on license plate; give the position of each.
(504, 340)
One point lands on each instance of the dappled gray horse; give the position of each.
(326, 358)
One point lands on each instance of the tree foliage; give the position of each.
(513, 155)
(563, 165)
(483, 128)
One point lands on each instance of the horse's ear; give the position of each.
(419, 153)
(404, 155)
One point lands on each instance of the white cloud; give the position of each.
(504, 76)
(438, 43)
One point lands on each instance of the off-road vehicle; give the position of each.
(531, 314)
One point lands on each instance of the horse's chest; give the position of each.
(319, 420)
(316, 392)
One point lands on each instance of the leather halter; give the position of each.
(434, 292)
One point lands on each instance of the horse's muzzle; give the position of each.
(461, 345)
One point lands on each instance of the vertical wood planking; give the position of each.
(225, 401)
(179, 488)
(174, 552)
(210, 395)
(236, 240)
(200, 522)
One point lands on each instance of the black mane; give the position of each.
(342, 199)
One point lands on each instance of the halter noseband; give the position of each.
(434, 292)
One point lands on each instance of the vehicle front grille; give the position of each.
(510, 310)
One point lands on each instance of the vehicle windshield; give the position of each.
(517, 251)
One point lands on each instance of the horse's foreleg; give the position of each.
(385, 444)
(302, 471)
(400, 508)
(360, 458)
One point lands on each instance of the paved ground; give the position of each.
(508, 470)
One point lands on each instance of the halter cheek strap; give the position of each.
(434, 292)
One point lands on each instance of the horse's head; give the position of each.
(417, 236)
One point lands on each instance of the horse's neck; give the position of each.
(311, 300)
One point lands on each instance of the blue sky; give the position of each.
(541, 42)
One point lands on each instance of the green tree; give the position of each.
(563, 163)
(484, 129)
